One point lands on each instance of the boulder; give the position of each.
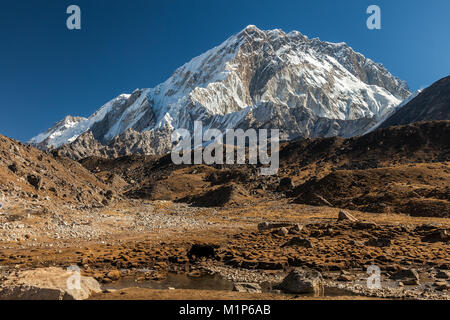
(345, 216)
(35, 181)
(439, 235)
(264, 226)
(303, 281)
(13, 167)
(247, 287)
(114, 275)
(47, 284)
(406, 274)
(297, 241)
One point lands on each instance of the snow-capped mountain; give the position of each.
(394, 110)
(70, 128)
(305, 87)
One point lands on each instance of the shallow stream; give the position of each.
(204, 282)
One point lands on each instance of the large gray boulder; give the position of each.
(303, 281)
(48, 284)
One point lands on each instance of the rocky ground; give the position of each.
(251, 244)
(137, 221)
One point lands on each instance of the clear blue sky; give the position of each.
(47, 71)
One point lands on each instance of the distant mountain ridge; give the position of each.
(255, 79)
(433, 103)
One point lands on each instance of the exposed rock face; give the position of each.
(46, 284)
(432, 103)
(130, 142)
(255, 79)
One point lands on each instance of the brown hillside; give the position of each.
(27, 173)
(398, 169)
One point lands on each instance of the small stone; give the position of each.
(283, 232)
(296, 229)
(357, 243)
(114, 275)
(195, 274)
(109, 290)
(158, 276)
(411, 282)
(263, 226)
(247, 287)
(344, 278)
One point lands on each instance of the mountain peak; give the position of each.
(251, 27)
(305, 88)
